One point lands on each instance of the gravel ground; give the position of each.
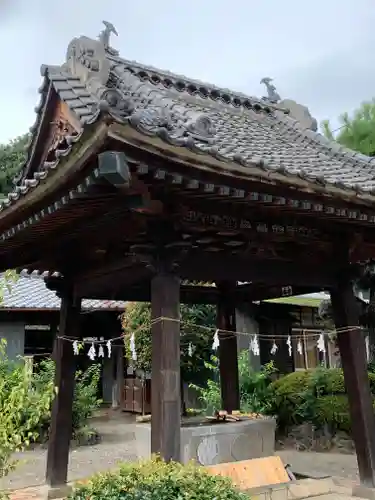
(118, 445)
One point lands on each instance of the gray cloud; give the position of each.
(319, 53)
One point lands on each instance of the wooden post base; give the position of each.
(55, 492)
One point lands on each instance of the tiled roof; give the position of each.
(73, 92)
(244, 129)
(30, 292)
(229, 126)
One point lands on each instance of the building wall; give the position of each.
(14, 334)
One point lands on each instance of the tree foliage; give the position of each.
(22, 407)
(12, 155)
(197, 329)
(356, 132)
(26, 403)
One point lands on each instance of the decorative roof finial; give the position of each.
(273, 96)
(105, 34)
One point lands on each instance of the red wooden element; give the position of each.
(165, 379)
(61, 418)
(353, 357)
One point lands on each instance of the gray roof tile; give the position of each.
(248, 129)
(230, 126)
(30, 292)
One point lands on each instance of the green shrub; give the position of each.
(41, 390)
(287, 396)
(331, 380)
(255, 393)
(371, 377)
(85, 401)
(157, 480)
(333, 411)
(21, 409)
(210, 394)
(317, 396)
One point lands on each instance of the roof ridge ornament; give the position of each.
(272, 96)
(105, 35)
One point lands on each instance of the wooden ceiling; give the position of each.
(103, 238)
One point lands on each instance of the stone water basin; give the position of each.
(211, 443)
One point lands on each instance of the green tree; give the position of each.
(197, 330)
(12, 155)
(355, 132)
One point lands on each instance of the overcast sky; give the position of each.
(320, 53)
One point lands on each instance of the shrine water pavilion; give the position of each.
(138, 180)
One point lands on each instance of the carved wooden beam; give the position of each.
(266, 196)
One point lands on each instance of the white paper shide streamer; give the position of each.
(92, 352)
(254, 345)
(75, 348)
(109, 348)
(274, 348)
(216, 341)
(132, 347)
(289, 344)
(299, 347)
(101, 351)
(190, 350)
(320, 343)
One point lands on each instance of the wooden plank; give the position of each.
(253, 473)
(353, 358)
(165, 392)
(61, 417)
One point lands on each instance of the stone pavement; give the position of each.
(26, 494)
(117, 446)
(321, 464)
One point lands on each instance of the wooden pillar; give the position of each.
(118, 395)
(61, 417)
(353, 358)
(228, 355)
(165, 376)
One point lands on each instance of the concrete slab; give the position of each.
(363, 492)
